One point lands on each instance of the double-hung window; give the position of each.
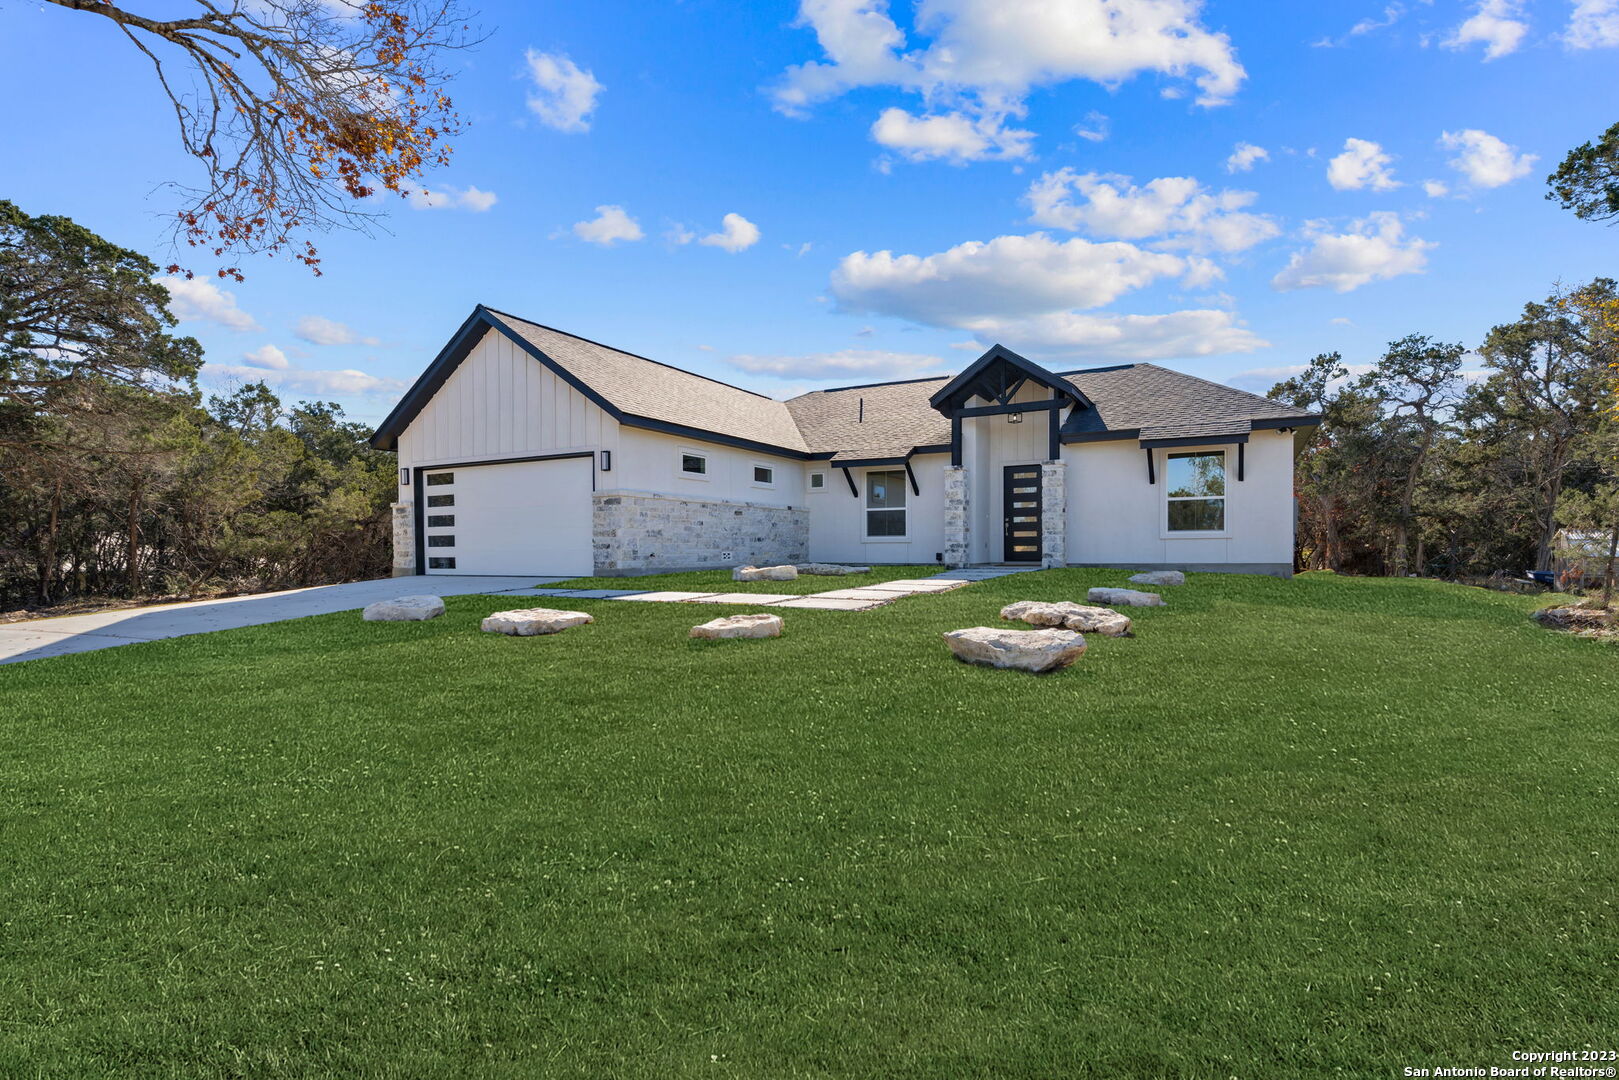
(1196, 491)
(885, 503)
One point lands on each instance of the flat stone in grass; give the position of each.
(740, 626)
(1124, 598)
(1159, 577)
(529, 622)
(1038, 651)
(404, 609)
(821, 569)
(1069, 616)
(765, 573)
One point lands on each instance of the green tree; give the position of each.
(1417, 380)
(1587, 181)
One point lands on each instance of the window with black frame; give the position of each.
(885, 503)
(1195, 490)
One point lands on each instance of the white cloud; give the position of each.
(1485, 160)
(1007, 276)
(1095, 128)
(1032, 291)
(610, 225)
(1495, 25)
(322, 331)
(469, 198)
(1176, 210)
(954, 136)
(1435, 189)
(983, 57)
(269, 365)
(1391, 15)
(267, 357)
(1594, 24)
(841, 364)
(1244, 156)
(1198, 332)
(736, 234)
(1341, 321)
(1374, 249)
(200, 300)
(564, 94)
(1362, 165)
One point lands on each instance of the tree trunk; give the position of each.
(133, 567)
(1548, 525)
(1607, 579)
(1421, 552)
(48, 566)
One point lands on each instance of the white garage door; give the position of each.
(530, 517)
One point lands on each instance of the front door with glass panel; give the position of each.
(1020, 504)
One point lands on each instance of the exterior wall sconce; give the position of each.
(607, 461)
(404, 478)
(1014, 418)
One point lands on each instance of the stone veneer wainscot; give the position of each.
(635, 532)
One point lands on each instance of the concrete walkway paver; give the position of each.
(817, 602)
(743, 598)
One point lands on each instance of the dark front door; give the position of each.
(1020, 502)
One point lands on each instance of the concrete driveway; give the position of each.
(105, 629)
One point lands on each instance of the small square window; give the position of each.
(441, 564)
(817, 481)
(440, 521)
(441, 500)
(438, 479)
(762, 475)
(441, 541)
(696, 464)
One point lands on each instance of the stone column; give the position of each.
(958, 529)
(1054, 514)
(404, 522)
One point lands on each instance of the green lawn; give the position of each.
(1318, 828)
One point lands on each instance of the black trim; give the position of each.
(1054, 436)
(853, 490)
(1054, 404)
(1242, 459)
(386, 437)
(964, 385)
(868, 462)
(420, 516)
(1116, 435)
(1152, 477)
(935, 448)
(915, 490)
(1282, 423)
(1196, 440)
(955, 440)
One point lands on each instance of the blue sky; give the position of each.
(884, 189)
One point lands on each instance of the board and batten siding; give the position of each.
(989, 445)
(502, 403)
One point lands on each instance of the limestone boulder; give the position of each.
(1124, 598)
(404, 609)
(821, 569)
(740, 626)
(1069, 616)
(529, 622)
(1159, 577)
(1038, 651)
(765, 573)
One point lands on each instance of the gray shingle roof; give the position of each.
(642, 387)
(897, 417)
(1156, 403)
(882, 420)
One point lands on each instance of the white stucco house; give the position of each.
(526, 450)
